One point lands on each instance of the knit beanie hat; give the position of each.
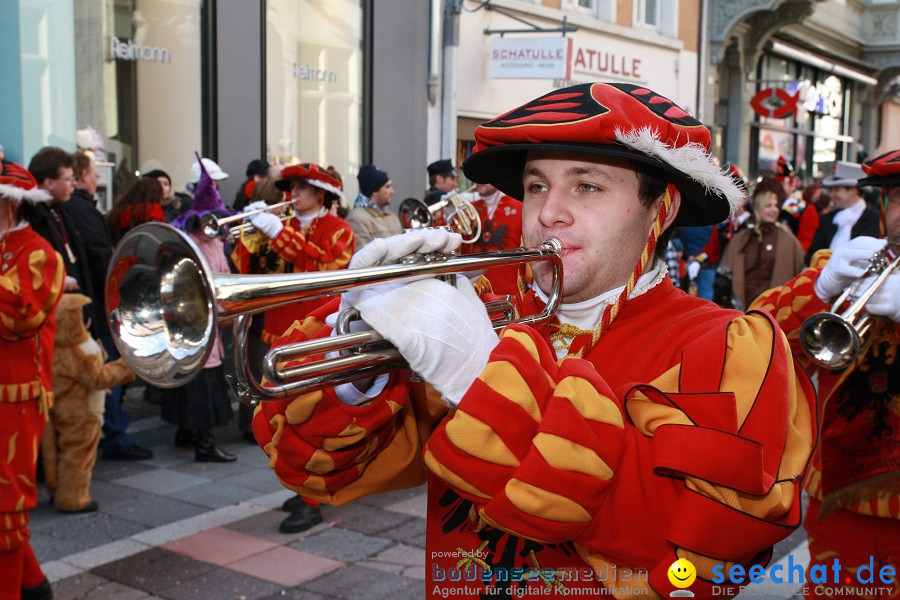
(370, 179)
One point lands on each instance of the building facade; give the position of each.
(814, 81)
(145, 84)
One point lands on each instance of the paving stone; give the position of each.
(265, 526)
(342, 544)
(401, 554)
(261, 480)
(417, 506)
(410, 532)
(57, 570)
(159, 570)
(80, 532)
(285, 566)
(214, 494)
(160, 511)
(94, 557)
(356, 582)
(219, 546)
(221, 583)
(362, 518)
(298, 594)
(92, 587)
(108, 494)
(213, 471)
(161, 481)
(111, 470)
(388, 498)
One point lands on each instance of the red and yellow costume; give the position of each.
(500, 230)
(31, 284)
(854, 474)
(325, 245)
(528, 471)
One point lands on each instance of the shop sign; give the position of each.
(308, 73)
(530, 58)
(801, 98)
(607, 63)
(128, 50)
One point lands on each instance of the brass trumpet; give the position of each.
(833, 340)
(164, 305)
(464, 220)
(212, 225)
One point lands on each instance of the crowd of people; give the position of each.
(641, 425)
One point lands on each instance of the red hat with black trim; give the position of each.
(17, 184)
(784, 169)
(883, 170)
(617, 120)
(311, 174)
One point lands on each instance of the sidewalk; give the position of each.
(173, 528)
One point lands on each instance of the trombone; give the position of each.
(212, 224)
(164, 304)
(415, 214)
(833, 340)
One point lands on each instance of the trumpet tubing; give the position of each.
(834, 340)
(164, 305)
(415, 214)
(212, 225)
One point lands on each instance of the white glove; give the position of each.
(846, 264)
(384, 251)
(258, 205)
(693, 269)
(442, 331)
(886, 301)
(267, 223)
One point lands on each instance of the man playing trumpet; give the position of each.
(643, 425)
(854, 481)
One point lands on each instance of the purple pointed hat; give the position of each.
(206, 200)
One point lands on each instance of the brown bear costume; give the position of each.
(80, 380)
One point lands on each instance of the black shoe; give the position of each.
(292, 504)
(133, 452)
(41, 591)
(301, 519)
(185, 438)
(213, 453)
(92, 507)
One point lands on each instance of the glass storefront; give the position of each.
(137, 82)
(804, 118)
(314, 84)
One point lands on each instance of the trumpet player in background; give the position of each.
(854, 480)
(312, 240)
(593, 452)
(501, 229)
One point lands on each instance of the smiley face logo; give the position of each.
(682, 573)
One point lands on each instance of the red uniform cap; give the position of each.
(17, 184)
(882, 170)
(609, 119)
(312, 174)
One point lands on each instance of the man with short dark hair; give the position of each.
(639, 426)
(256, 169)
(442, 179)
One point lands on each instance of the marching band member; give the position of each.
(642, 426)
(501, 229)
(854, 480)
(313, 240)
(31, 284)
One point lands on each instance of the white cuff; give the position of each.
(350, 395)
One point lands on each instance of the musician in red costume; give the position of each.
(313, 240)
(854, 480)
(31, 284)
(641, 426)
(501, 229)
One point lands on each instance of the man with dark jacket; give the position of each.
(852, 219)
(81, 211)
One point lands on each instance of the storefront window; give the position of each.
(138, 96)
(314, 84)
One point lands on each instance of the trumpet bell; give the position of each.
(158, 305)
(829, 340)
(414, 214)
